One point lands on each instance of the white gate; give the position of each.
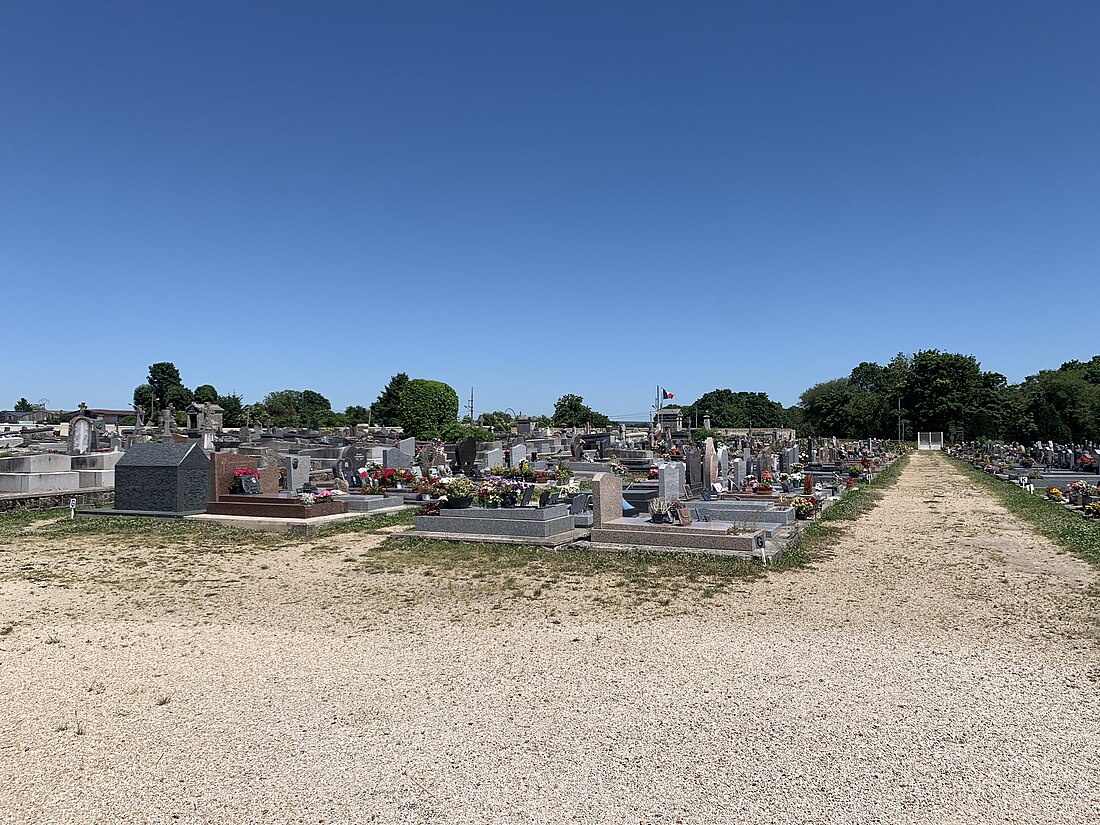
(929, 441)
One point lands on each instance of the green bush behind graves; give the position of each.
(427, 408)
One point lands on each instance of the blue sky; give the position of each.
(535, 199)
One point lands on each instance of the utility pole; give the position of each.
(471, 408)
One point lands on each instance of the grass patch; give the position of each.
(530, 572)
(821, 535)
(1074, 532)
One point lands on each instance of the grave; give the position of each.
(671, 481)
(610, 527)
(37, 473)
(166, 479)
(550, 526)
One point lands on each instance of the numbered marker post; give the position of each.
(72, 508)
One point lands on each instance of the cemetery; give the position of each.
(545, 486)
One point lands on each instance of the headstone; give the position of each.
(494, 457)
(208, 440)
(250, 485)
(723, 462)
(576, 447)
(671, 481)
(740, 470)
(694, 460)
(465, 453)
(519, 454)
(710, 463)
(396, 459)
(407, 446)
(82, 435)
(297, 471)
(244, 434)
(808, 483)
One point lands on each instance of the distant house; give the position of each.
(671, 418)
(110, 416)
(13, 417)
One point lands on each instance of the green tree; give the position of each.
(356, 414)
(427, 408)
(571, 411)
(204, 393)
(386, 409)
(283, 407)
(498, 422)
(825, 408)
(164, 378)
(457, 432)
(316, 410)
(233, 409)
(23, 405)
(144, 399)
(727, 408)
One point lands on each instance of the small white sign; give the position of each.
(72, 508)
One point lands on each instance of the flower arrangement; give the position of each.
(1077, 488)
(563, 472)
(500, 492)
(237, 485)
(855, 471)
(458, 487)
(1054, 494)
(391, 477)
(804, 506)
(306, 498)
(654, 473)
(1086, 463)
(765, 483)
(658, 509)
(1093, 510)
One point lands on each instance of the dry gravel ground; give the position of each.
(941, 667)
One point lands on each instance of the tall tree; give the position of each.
(164, 378)
(232, 409)
(571, 411)
(23, 405)
(387, 408)
(204, 393)
(427, 408)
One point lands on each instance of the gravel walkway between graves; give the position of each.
(941, 667)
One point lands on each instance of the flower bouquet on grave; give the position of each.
(764, 486)
(563, 472)
(804, 506)
(658, 510)
(1054, 494)
(458, 492)
(237, 484)
(855, 471)
(1093, 510)
(1086, 464)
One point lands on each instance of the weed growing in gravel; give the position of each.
(819, 536)
(163, 700)
(1070, 530)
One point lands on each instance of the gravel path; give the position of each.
(941, 667)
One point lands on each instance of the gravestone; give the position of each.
(739, 471)
(297, 471)
(519, 454)
(465, 454)
(427, 458)
(407, 446)
(808, 483)
(576, 447)
(494, 457)
(671, 481)
(710, 463)
(244, 434)
(746, 455)
(723, 462)
(82, 436)
(250, 485)
(394, 458)
(694, 460)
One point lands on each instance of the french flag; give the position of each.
(665, 394)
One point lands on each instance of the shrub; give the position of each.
(427, 407)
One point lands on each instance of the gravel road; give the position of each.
(940, 667)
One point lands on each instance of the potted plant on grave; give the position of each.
(1093, 510)
(1086, 464)
(855, 471)
(459, 492)
(563, 473)
(1054, 494)
(237, 484)
(658, 510)
(804, 507)
(764, 486)
(426, 488)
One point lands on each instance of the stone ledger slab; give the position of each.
(35, 482)
(529, 522)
